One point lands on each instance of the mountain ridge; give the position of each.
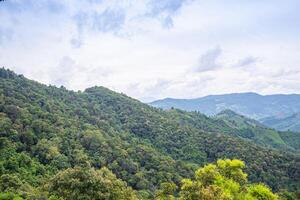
(249, 104)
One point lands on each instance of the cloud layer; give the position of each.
(154, 49)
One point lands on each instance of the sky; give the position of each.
(154, 49)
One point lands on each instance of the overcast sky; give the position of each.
(155, 48)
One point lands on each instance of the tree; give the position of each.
(166, 192)
(260, 192)
(222, 181)
(9, 196)
(9, 183)
(87, 183)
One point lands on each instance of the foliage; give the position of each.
(166, 191)
(9, 196)
(223, 181)
(286, 123)
(45, 130)
(258, 133)
(292, 138)
(88, 183)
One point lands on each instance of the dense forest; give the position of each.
(99, 144)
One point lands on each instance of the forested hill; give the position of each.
(255, 131)
(46, 131)
(286, 123)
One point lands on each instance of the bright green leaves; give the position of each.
(207, 175)
(232, 169)
(9, 196)
(224, 180)
(260, 192)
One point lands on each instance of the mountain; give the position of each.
(291, 122)
(49, 133)
(236, 120)
(255, 131)
(251, 105)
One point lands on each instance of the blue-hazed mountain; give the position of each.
(252, 105)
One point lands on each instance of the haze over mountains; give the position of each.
(268, 109)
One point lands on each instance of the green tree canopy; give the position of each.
(87, 183)
(224, 180)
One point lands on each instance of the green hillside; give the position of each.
(291, 138)
(45, 131)
(289, 123)
(257, 132)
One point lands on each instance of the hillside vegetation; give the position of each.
(47, 133)
(259, 133)
(221, 181)
(289, 123)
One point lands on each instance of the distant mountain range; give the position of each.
(279, 111)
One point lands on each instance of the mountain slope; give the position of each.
(257, 132)
(291, 122)
(53, 129)
(248, 104)
(292, 138)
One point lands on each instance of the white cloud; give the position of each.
(147, 49)
(209, 60)
(249, 60)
